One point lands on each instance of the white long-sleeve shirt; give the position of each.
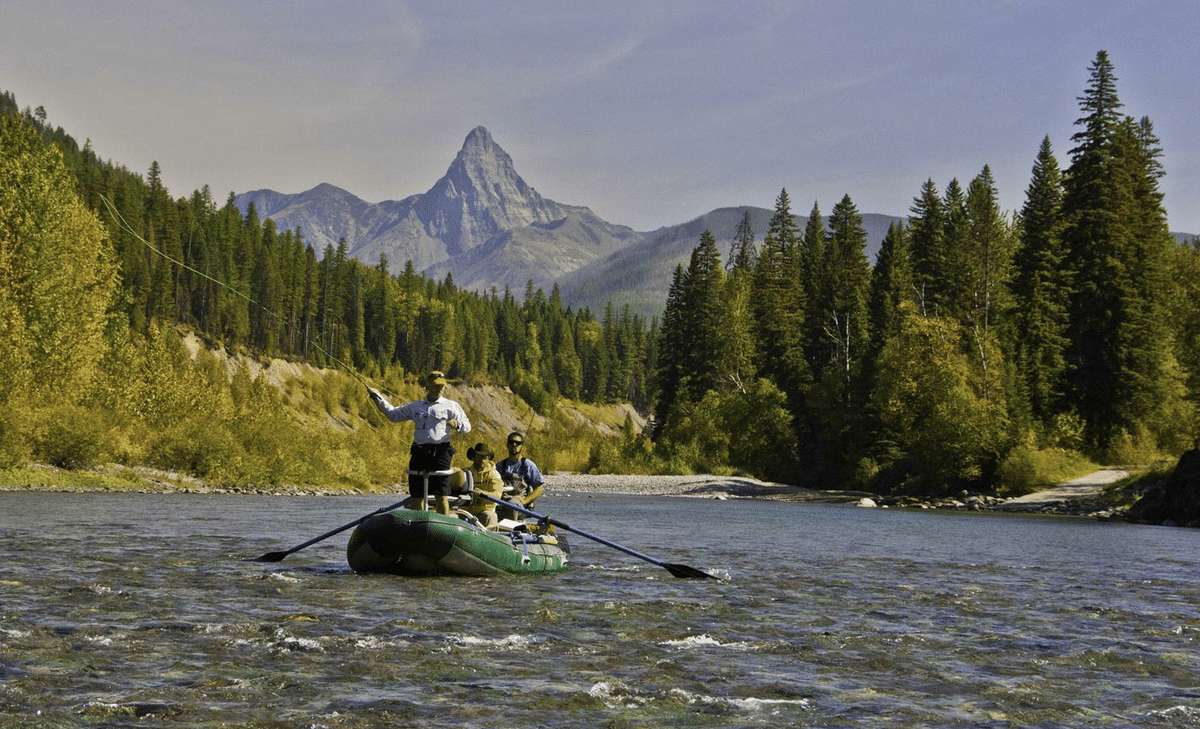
(430, 418)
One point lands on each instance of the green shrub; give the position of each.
(1026, 469)
(605, 457)
(1136, 448)
(15, 449)
(347, 468)
(1066, 431)
(68, 436)
(205, 450)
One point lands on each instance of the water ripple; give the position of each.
(123, 610)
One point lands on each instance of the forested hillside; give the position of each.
(979, 348)
(101, 270)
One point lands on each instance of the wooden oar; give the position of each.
(278, 556)
(679, 570)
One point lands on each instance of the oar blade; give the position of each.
(278, 556)
(686, 572)
(271, 557)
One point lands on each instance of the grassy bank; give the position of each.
(176, 413)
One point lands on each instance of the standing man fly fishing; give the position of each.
(435, 418)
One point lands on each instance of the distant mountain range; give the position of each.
(482, 223)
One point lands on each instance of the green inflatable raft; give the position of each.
(408, 542)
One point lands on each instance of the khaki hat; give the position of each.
(436, 377)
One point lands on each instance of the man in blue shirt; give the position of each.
(435, 418)
(520, 473)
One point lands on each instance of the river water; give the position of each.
(138, 610)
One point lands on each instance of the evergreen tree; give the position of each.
(844, 316)
(310, 306)
(987, 274)
(335, 299)
(629, 355)
(568, 367)
(955, 296)
(891, 289)
(1184, 315)
(589, 341)
(927, 232)
(691, 331)
(232, 234)
(891, 285)
(266, 290)
(618, 377)
(291, 274)
(133, 258)
(382, 313)
(702, 307)
(1157, 397)
(161, 231)
(355, 316)
(510, 330)
(1041, 287)
(735, 359)
(205, 257)
(814, 246)
(742, 253)
(779, 306)
(814, 277)
(990, 253)
(1121, 372)
(836, 402)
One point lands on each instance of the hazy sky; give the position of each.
(651, 113)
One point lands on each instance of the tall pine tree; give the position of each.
(987, 272)
(927, 233)
(742, 253)
(1121, 367)
(1042, 285)
(692, 330)
(779, 305)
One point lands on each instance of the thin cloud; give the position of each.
(651, 113)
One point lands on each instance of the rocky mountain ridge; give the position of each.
(482, 223)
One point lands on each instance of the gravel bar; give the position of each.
(705, 485)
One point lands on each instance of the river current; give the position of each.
(140, 610)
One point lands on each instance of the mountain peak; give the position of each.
(480, 138)
(484, 161)
(481, 195)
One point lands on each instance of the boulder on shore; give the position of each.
(1176, 502)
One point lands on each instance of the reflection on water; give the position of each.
(140, 610)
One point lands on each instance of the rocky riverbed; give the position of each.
(1078, 498)
(1081, 497)
(700, 486)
